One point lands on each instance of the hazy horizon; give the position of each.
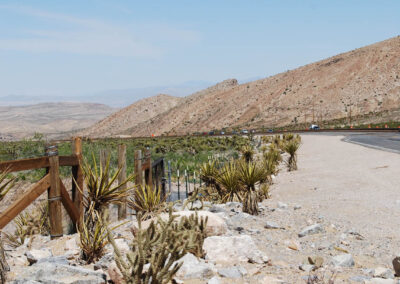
(74, 50)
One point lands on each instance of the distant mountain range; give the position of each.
(362, 83)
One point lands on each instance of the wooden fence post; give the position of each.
(138, 168)
(54, 194)
(104, 157)
(77, 176)
(148, 175)
(122, 178)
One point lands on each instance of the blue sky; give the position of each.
(70, 48)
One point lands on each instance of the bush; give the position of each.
(291, 148)
(147, 201)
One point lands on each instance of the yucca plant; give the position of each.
(208, 174)
(28, 224)
(263, 192)
(247, 153)
(93, 238)
(102, 190)
(228, 178)
(251, 174)
(291, 148)
(148, 201)
(5, 185)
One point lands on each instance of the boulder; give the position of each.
(216, 226)
(383, 272)
(214, 280)
(53, 273)
(343, 260)
(194, 267)
(232, 272)
(232, 249)
(311, 230)
(34, 255)
(379, 281)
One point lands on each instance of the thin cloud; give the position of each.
(89, 36)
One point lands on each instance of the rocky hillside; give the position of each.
(364, 81)
(49, 118)
(134, 114)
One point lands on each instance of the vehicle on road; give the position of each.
(314, 127)
(270, 131)
(245, 131)
(222, 133)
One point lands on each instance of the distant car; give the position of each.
(245, 131)
(222, 133)
(270, 131)
(314, 127)
(211, 133)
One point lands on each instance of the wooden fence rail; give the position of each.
(154, 176)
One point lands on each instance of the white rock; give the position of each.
(383, 272)
(232, 249)
(214, 280)
(379, 281)
(271, 225)
(216, 226)
(194, 267)
(343, 260)
(282, 205)
(297, 207)
(310, 230)
(35, 254)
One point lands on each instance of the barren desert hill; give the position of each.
(49, 118)
(358, 82)
(133, 114)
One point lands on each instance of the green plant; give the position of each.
(251, 174)
(228, 179)
(28, 224)
(102, 190)
(93, 238)
(159, 247)
(291, 148)
(247, 153)
(263, 192)
(148, 201)
(5, 185)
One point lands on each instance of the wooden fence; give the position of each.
(57, 192)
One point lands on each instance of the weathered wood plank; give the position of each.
(122, 178)
(54, 194)
(138, 168)
(36, 163)
(68, 204)
(24, 201)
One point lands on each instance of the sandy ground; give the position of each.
(346, 183)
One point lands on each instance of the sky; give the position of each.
(77, 48)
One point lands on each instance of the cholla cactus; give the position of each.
(160, 247)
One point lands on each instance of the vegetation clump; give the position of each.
(155, 251)
(291, 148)
(148, 201)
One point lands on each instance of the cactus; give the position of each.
(159, 247)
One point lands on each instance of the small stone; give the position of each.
(271, 225)
(282, 205)
(293, 244)
(310, 230)
(194, 267)
(231, 272)
(383, 272)
(343, 260)
(396, 265)
(307, 267)
(379, 281)
(214, 280)
(297, 207)
(35, 254)
(318, 261)
(359, 278)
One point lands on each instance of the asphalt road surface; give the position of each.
(383, 141)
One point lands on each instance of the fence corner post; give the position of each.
(122, 178)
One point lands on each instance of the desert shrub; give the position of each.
(263, 192)
(28, 224)
(5, 184)
(247, 153)
(102, 190)
(228, 179)
(250, 175)
(93, 238)
(159, 247)
(291, 148)
(148, 201)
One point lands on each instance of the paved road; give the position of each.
(383, 141)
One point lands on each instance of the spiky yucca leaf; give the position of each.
(291, 148)
(102, 190)
(93, 238)
(247, 152)
(251, 174)
(147, 200)
(208, 172)
(228, 178)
